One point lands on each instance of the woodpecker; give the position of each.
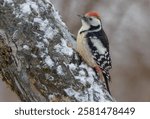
(93, 45)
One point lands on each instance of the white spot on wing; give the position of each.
(97, 43)
(100, 59)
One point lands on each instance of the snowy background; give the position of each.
(126, 24)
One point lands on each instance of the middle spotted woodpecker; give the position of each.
(93, 45)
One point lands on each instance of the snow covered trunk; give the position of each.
(35, 60)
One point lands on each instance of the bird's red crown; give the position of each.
(93, 14)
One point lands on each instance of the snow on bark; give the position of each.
(51, 70)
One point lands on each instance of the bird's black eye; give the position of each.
(90, 19)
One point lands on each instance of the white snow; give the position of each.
(94, 91)
(89, 69)
(46, 41)
(38, 20)
(42, 54)
(72, 66)
(77, 94)
(97, 90)
(57, 17)
(70, 91)
(33, 55)
(49, 61)
(46, 50)
(51, 97)
(63, 48)
(43, 23)
(94, 88)
(82, 76)
(85, 79)
(50, 33)
(26, 7)
(9, 1)
(40, 45)
(60, 70)
(45, 26)
(82, 72)
(26, 47)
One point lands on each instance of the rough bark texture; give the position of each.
(35, 60)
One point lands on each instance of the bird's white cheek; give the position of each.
(85, 26)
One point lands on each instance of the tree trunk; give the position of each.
(35, 60)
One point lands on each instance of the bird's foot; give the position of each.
(99, 72)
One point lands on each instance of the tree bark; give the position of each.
(35, 60)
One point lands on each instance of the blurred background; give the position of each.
(127, 25)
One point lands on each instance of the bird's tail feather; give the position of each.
(107, 78)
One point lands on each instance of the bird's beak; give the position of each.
(83, 17)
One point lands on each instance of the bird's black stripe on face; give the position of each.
(92, 28)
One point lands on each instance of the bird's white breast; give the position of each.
(84, 50)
